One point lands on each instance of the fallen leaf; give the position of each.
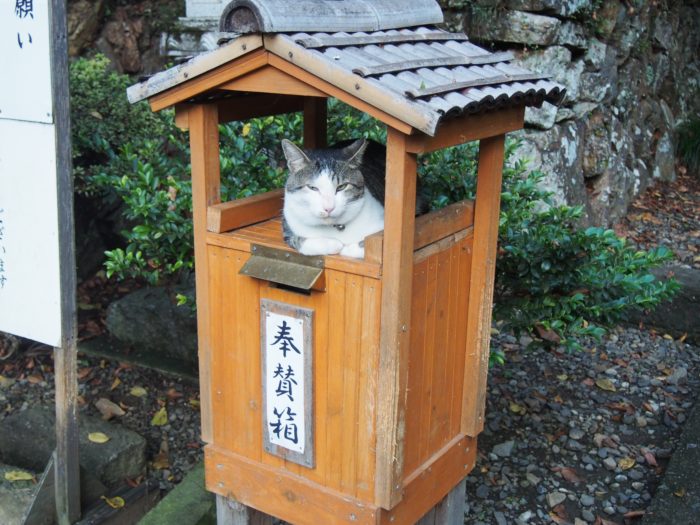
(626, 463)
(680, 492)
(174, 394)
(605, 384)
(562, 377)
(547, 334)
(160, 418)
(161, 460)
(138, 391)
(98, 437)
(18, 475)
(650, 458)
(682, 338)
(116, 502)
(194, 403)
(6, 382)
(570, 475)
(34, 379)
(635, 514)
(516, 408)
(115, 383)
(108, 409)
(84, 372)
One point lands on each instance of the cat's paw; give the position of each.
(320, 246)
(353, 250)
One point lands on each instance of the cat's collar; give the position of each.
(339, 227)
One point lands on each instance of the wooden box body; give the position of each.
(344, 484)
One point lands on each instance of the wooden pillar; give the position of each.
(486, 214)
(395, 317)
(230, 512)
(315, 122)
(203, 123)
(450, 510)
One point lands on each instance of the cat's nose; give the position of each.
(329, 209)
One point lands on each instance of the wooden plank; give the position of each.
(239, 240)
(368, 377)
(399, 227)
(430, 228)
(230, 512)
(417, 363)
(271, 80)
(462, 254)
(433, 481)
(450, 510)
(219, 332)
(209, 80)
(138, 501)
(486, 216)
(67, 469)
(442, 244)
(258, 105)
(379, 103)
(468, 128)
(289, 497)
(315, 122)
(204, 146)
(443, 61)
(193, 68)
(182, 117)
(231, 215)
(317, 41)
(429, 351)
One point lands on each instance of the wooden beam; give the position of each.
(245, 107)
(394, 339)
(430, 227)
(243, 212)
(204, 146)
(340, 94)
(315, 122)
(468, 128)
(210, 80)
(271, 80)
(486, 216)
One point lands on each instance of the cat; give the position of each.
(334, 197)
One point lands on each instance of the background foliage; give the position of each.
(554, 279)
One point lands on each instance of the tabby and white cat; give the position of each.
(334, 197)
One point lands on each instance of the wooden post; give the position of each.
(230, 512)
(399, 219)
(450, 510)
(486, 214)
(315, 122)
(67, 464)
(203, 120)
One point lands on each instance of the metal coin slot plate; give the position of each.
(286, 268)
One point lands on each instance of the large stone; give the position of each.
(557, 62)
(27, 439)
(151, 321)
(83, 21)
(680, 315)
(559, 7)
(518, 27)
(15, 497)
(572, 34)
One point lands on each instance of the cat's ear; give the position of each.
(296, 158)
(355, 152)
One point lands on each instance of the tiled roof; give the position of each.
(421, 76)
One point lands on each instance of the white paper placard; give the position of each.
(25, 62)
(287, 390)
(30, 295)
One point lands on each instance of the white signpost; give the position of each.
(37, 262)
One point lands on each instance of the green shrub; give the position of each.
(553, 279)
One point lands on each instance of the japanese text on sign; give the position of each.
(286, 347)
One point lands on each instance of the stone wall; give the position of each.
(632, 72)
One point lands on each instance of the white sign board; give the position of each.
(30, 291)
(286, 355)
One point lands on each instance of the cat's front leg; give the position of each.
(356, 250)
(320, 246)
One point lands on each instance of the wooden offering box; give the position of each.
(342, 484)
(337, 390)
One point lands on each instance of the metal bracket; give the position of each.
(286, 268)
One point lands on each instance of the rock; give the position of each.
(555, 498)
(588, 516)
(15, 497)
(503, 450)
(586, 500)
(119, 40)
(572, 34)
(512, 26)
(150, 320)
(610, 463)
(679, 376)
(27, 439)
(680, 315)
(83, 20)
(543, 117)
(482, 491)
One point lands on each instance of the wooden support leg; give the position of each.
(450, 511)
(486, 215)
(203, 121)
(230, 512)
(315, 122)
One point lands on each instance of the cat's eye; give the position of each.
(312, 188)
(341, 187)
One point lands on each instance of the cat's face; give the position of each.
(325, 186)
